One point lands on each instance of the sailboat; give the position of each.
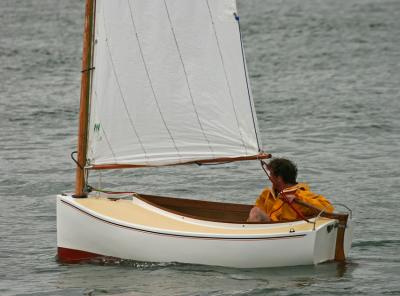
(164, 82)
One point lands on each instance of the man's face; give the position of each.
(273, 177)
(277, 181)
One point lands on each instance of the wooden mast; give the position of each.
(84, 99)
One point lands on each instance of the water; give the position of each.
(325, 78)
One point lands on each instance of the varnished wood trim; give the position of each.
(203, 210)
(84, 97)
(198, 209)
(204, 161)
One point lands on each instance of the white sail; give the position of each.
(169, 85)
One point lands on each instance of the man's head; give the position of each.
(283, 170)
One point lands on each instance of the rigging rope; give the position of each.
(91, 188)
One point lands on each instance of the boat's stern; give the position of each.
(326, 236)
(324, 246)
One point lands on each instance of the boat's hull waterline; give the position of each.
(136, 230)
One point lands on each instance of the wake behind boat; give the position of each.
(165, 83)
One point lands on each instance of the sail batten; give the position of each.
(169, 84)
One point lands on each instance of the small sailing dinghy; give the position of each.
(164, 82)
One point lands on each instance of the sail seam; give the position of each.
(187, 80)
(150, 82)
(121, 93)
(104, 131)
(226, 76)
(247, 82)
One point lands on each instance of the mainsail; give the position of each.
(169, 84)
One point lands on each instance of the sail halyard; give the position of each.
(84, 97)
(172, 71)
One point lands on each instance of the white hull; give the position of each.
(186, 240)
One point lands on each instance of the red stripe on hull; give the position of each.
(66, 255)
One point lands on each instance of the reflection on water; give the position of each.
(158, 279)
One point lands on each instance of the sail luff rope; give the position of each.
(121, 93)
(247, 82)
(150, 82)
(92, 77)
(226, 75)
(91, 188)
(187, 80)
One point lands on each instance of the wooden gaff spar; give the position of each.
(165, 83)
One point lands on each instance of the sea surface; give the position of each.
(326, 82)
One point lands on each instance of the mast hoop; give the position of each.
(88, 69)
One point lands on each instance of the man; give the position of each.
(276, 204)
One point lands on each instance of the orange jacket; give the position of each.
(278, 210)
